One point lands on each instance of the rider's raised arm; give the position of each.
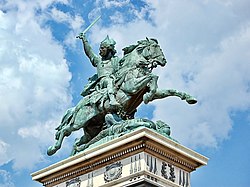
(89, 51)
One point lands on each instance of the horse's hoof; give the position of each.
(79, 149)
(51, 150)
(191, 101)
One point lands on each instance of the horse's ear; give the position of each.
(139, 42)
(147, 39)
(154, 40)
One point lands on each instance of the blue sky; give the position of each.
(43, 71)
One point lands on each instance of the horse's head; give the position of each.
(151, 51)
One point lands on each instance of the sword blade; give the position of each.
(86, 30)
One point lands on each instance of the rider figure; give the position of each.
(106, 64)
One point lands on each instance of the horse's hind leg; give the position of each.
(80, 141)
(84, 139)
(66, 131)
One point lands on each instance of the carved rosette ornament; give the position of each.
(113, 171)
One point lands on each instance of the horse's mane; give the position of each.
(130, 48)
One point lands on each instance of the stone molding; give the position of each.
(140, 141)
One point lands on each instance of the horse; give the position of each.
(134, 82)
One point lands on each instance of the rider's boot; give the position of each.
(146, 98)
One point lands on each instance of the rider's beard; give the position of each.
(108, 55)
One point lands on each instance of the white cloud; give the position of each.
(3, 152)
(77, 23)
(5, 179)
(73, 22)
(113, 3)
(35, 131)
(140, 13)
(117, 18)
(34, 85)
(60, 16)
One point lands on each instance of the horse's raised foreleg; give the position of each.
(133, 86)
(159, 94)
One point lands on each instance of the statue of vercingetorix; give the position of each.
(106, 63)
(112, 96)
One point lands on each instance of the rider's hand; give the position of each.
(82, 36)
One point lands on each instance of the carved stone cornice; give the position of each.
(140, 141)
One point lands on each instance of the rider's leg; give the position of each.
(111, 92)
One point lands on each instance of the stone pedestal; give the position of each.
(140, 158)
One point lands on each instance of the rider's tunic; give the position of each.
(105, 69)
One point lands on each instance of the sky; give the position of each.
(43, 70)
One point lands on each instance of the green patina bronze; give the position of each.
(112, 96)
(116, 128)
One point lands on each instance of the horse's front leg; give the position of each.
(159, 94)
(152, 89)
(133, 86)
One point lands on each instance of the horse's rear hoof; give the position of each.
(51, 150)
